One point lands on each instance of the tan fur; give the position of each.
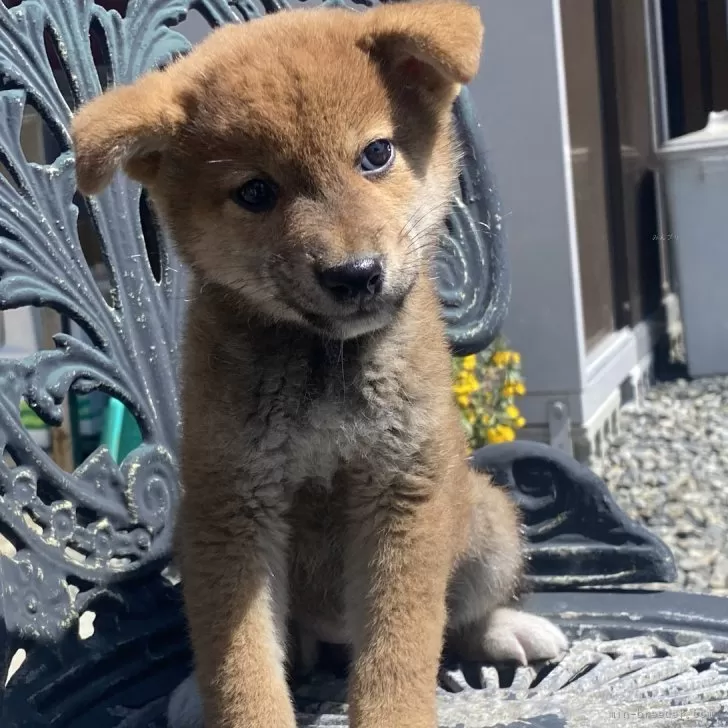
(323, 463)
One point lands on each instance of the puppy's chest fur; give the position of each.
(315, 407)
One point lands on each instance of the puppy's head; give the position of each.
(305, 161)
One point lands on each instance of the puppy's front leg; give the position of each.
(233, 573)
(398, 562)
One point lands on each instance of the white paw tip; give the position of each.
(537, 638)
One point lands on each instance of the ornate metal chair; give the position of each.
(91, 543)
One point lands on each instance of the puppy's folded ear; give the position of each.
(434, 44)
(127, 127)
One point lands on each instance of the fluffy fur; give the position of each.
(323, 463)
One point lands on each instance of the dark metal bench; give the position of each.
(94, 540)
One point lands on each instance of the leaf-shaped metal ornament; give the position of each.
(129, 349)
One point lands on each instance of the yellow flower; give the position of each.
(512, 412)
(463, 400)
(501, 358)
(520, 422)
(469, 363)
(493, 435)
(464, 389)
(465, 383)
(519, 389)
(500, 433)
(515, 357)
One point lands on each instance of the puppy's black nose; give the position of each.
(357, 278)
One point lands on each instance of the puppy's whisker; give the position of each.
(413, 255)
(436, 222)
(412, 219)
(427, 236)
(427, 213)
(408, 221)
(419, 215)
(416, 245)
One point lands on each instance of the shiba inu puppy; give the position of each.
(304, 165)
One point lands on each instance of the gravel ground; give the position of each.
(668, 468)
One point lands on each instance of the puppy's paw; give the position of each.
(513, 636)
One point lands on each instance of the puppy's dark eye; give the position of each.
(256, 195)
(377, 157)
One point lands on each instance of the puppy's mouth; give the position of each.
(349, 326)
(342, 321)
(350, 322)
